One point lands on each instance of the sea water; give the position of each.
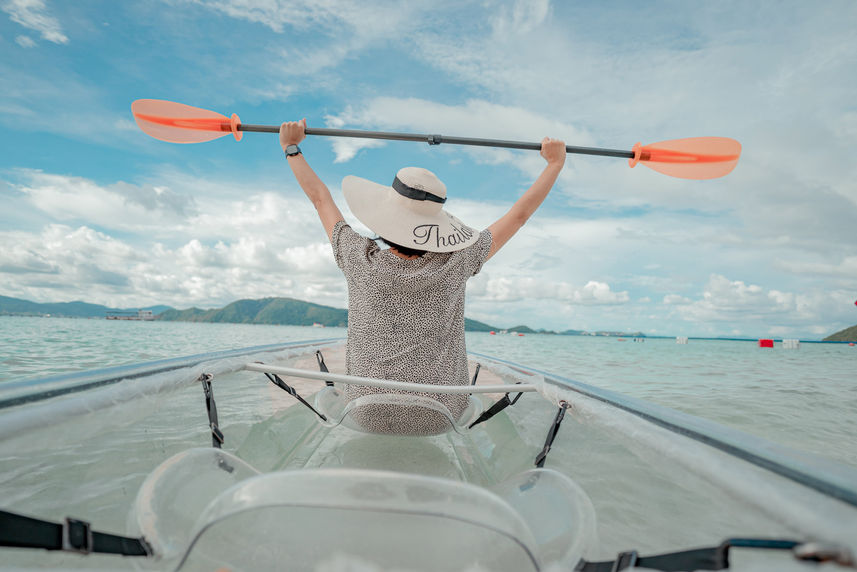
(803, 398)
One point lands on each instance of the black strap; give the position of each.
(714, 558)
(711, 558)
(275, 379)
(217, 436)
(499, 406)
(322, 366)
(415, 194)
(72, 535)
(476, 374)
(557, 421)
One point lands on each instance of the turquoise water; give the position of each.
(804, 398)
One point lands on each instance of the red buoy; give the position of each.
(766, 343)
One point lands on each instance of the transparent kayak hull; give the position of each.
(128, 450)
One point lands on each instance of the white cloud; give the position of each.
(25, 42)
(63, 263)
(335, 31)
(514, 289)
(372, 19)
(270, 243)
(519, 17)
(846, 269)
(118, 206)
(762, 310)
(172, 249)
(34, 15)
(346, 148)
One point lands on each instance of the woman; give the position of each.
(406, 303)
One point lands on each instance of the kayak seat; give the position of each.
(206, 509)
(337, 519)
(400, 413)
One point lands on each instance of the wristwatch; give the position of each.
(292, 150)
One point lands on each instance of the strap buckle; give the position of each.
(322, 367)
(625, 560)
(76, 536)
(560, 414)
(819, 552)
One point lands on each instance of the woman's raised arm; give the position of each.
(553, 151)
(292, 133)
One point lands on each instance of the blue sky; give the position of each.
(95, 210)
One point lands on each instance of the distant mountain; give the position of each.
(19, 307)
(846, 335)
(284, 311)
(522, 330)
(475, 326)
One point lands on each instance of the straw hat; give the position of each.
(409, 212)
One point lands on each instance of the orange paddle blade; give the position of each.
(180, 123)
(693, 158)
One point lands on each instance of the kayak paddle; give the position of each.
(692, 158)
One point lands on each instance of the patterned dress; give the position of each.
(406, 322)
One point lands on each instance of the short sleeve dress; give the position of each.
(406, 317)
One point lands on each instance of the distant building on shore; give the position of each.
(146, 315)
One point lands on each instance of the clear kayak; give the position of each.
(263, 458)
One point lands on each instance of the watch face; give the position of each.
(292, 150)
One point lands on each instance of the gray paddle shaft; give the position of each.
(438, 139)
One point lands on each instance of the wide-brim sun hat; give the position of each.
(409, 212)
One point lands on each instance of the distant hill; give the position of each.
(283, 311)
(280, 311)
(846, 335)
(475, 326)
(18, 307)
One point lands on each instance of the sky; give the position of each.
(95, 210)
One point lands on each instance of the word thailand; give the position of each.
(426, 232)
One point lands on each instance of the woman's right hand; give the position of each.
(553, 151)
(292, 133)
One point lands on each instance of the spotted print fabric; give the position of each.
(406, 322)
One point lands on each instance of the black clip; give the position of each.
(276, 380)
(435, 139)
(476, 374)
(217, 437)
(217, 434)
(625, 560)
(499, 406)
(76, 536)
(322, 367)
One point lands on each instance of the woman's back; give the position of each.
(406, 317)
